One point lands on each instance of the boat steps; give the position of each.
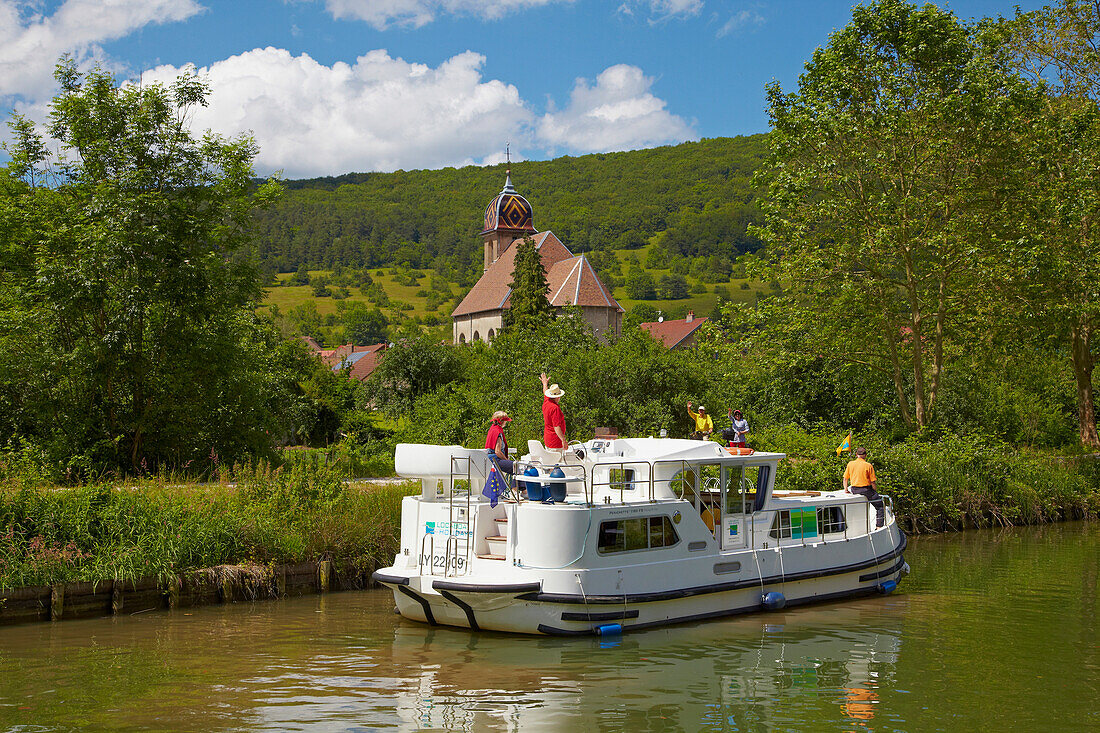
(491, 557)
(497, 545)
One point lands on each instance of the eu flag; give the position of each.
(494, 487)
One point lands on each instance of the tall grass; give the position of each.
(156, 528)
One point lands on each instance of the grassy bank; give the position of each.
(303, 512)
(948, 482)
(156, 528)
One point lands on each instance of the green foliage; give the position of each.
(155, 529)
(640, 313)
(364, 325)
(698, 192)
(640, 285)
(889, 168)
(528, 308)
(128, 339)
(949, 481)
(411, 368)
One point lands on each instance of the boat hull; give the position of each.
(525, 608)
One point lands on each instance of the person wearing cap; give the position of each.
(553, 432)
(739, 428)
(859, 478)
(704, 426)
(496, 444)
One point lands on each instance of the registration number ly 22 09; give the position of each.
(457, 562)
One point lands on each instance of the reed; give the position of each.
(159, 528)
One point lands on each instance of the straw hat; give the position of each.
(501, 416)
(554, 392)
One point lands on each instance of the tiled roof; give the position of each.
(491, 292)
(673, 333)
(574, 282)
(360, 362)
(367, 362)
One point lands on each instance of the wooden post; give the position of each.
(174, 591)
(324, 568)
(280, 581)
(57, 601)
(116, 596)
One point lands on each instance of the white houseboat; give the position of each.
(650, 531)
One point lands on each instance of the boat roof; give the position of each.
(680, 449)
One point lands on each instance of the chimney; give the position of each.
(690, 317)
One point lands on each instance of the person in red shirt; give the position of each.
(553, 432)
(496, 443)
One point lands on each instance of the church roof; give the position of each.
(509, 211)
(492, 291)
(572, 280)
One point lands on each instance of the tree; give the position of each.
(529, 307)
(364, 325)
(640, 285)
(889, 169)
(640, 313)
(674, 287)
(413, 367)
(301, 277)
(129, 285)
(1053, 269)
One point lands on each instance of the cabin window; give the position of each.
(621, 479)
(794, 524)
(643, 533)
(831, 519)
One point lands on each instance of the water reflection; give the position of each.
(992, 631)
(747, 673)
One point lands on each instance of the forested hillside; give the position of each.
(699, 195)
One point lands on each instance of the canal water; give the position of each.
(994, 630)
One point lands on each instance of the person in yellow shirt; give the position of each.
(704, 426)
(859, 478)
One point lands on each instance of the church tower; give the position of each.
(508, 217)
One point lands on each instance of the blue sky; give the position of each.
(333, 86)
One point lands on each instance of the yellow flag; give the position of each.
(846, 445)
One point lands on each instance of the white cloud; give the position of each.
(383, 13)
(618, 112)
(740, 20)
(31, 42)
(661, 10)
(381, 113)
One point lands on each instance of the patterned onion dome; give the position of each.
(509, 211)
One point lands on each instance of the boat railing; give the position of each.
(678, 483)
(621, 482)
(461, 472)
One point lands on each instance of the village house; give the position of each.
(676, 334)
(360, 361)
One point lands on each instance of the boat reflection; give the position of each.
(744, 674)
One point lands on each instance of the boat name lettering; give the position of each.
(618, 512)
